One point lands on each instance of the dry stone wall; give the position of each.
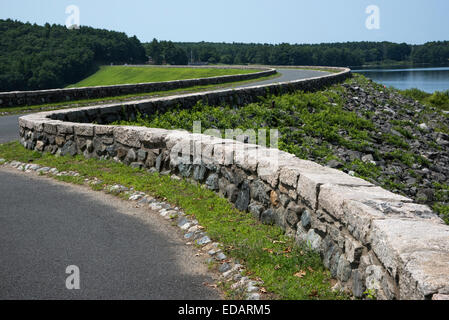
(369, 238)
(19, 98)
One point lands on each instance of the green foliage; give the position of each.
(442, 210)
(51, 56)
(370, 294)
(438, 99)
(329, 54)
(165, 52)
(307, 122)
(415, 94)
(111, 75)
(265, 250)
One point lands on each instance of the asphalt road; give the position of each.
(9, 124)
(9, 128)
(288, 75)
(122, 253)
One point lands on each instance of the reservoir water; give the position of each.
(429, 79)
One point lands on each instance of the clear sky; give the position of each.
(260, 21)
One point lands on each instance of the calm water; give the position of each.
(426, 79)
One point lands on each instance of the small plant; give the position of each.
(370, 294)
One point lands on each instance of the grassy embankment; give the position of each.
(111, 75)
(124, 98)
(319, 127)
(288, 271)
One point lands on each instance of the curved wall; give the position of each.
(19, 98)
(369, 238)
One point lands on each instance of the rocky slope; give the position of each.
(408, 150)
(359, 127)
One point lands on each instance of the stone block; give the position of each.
(415, 252)
(311, 180)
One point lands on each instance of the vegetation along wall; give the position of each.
(369, 238)
(18, 98)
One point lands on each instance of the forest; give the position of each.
(325, 54)
(36, 57)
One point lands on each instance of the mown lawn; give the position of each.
(111, 75)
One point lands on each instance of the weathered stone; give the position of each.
(280, 217)
(255, 209)
(267, 217)
(40, 146)
(358, 283)
(232, 192)
(136, 165)
(259, 192)
(158, 164)
(199, 172)
(289, 176)
(84, 130)
(60, 140)
(312, 180)
(243, 197)
(353, 251)
(131, 156)
(293, 214)
(111, 151)
(121, 152)
(373, 278)
(301, 234)
(306, 219)
(127, 136)
(186, 170)
(212, 183)
(151, 159)
(314, 241)
(224, 267)
(419, 257)
(69, 149)
(440, 297)
(141, 155)
(344, 270)
(274, 199)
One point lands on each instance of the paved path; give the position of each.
(122, 253)
(9, 130)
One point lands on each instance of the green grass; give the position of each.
(437, 99)
(128, 97)
(266, 252)
(313, 125)
(111, 75)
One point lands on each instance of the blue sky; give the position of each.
(261, 21)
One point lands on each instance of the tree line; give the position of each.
(326, 54)
(51, 56)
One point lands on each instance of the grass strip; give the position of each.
(288, 271)
(112, 75)
(127, 97)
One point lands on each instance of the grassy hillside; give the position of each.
(36, 57)
(110, 75)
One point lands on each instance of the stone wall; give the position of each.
(20, 98)
(369, 238)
